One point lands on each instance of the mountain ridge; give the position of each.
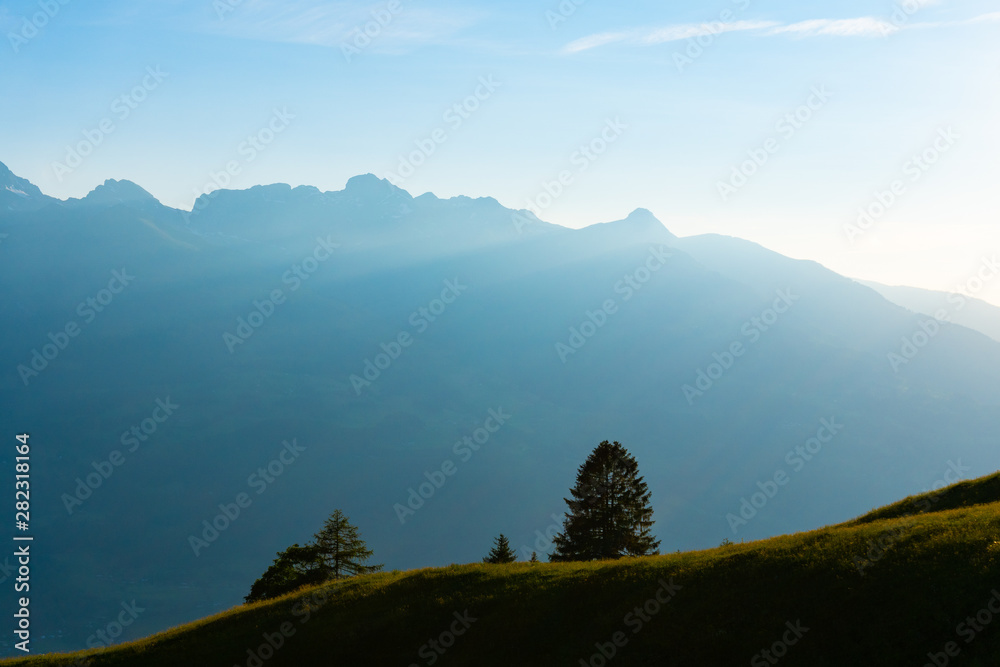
(960, 308)
(361, 187)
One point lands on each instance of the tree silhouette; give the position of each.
(340, 551)
(609, 513)
(294, 567)
(501, 551)
(335, 552)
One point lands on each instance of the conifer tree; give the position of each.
(340, 551)
(609, 514)
(501, 551)
(335, 552)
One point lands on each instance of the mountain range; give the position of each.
(320, 350)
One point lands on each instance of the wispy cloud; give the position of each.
(593, 41)
(992, 16)
(982, 18)
(672, 33)
(679, 32)
(864, 26)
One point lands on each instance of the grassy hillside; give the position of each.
(961, 494)
(886, 589)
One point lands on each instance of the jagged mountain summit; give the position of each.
(19, 194)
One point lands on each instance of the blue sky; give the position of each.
(771, 121)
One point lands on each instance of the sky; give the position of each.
(859, 134)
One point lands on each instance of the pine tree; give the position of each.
(609, 514)
(501, 551)
(534, 558)
(340, 551)
(335, 552)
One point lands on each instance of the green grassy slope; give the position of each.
(962, 494)
(885, 589)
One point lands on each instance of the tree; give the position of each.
(335, 552)
(341, 552)
(501, 551)
(534, 557)
(294, 567)
(609, 514)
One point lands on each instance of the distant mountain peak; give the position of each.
(642, 215)
(640, 220)
(17, 193)
(117, 192)
(370, 185)
(11, 181)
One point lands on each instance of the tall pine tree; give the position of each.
(609, 514)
